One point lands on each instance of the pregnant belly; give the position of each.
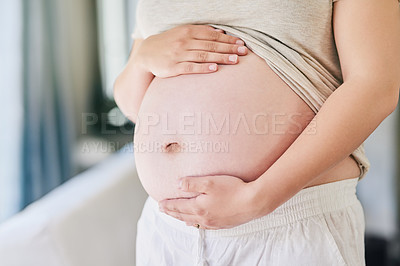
(236, 121)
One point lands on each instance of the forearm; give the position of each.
(345, 120)
(131, 86)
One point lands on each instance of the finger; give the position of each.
(217, 47)
(196, 184)
(212, 28)
(195, 68)
(208, 33)
(190, 220)
(219, 30)
(207, 57)
(202, 226)
(184, 206)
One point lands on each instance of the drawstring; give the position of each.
(201, 261)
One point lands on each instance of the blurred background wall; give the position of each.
(58, 62)
(379, 193)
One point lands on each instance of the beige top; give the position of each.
(295, 38)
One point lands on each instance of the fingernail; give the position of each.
(233, 58)
(212, 68)
(240, 42)
(242, 49)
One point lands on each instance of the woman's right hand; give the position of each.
(188, 49)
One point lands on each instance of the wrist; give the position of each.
(139, 59)
(258, 199)
(139, 64)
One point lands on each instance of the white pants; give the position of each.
(320, 225)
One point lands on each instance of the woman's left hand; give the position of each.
(225, 201)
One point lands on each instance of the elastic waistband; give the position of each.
(307, 202)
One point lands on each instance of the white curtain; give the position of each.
(116, 21)
(61, 77)
(48, 72)
(115, 25)
(11, 103)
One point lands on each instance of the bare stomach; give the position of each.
(236, 121)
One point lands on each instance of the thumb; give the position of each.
(194, 184)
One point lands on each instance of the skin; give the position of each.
(367, 41)
(191, 49)
(250, 88)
